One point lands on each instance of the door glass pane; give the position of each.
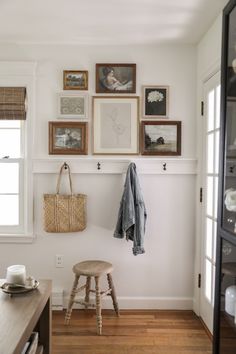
(217, 149)
(208, 280)
(210, 153)
(10, 142)
(214, 241)
(9, 178)
(209, 232)
(217, 122)
(216, 197)
(210, 115)
(9, 214)
(209, 207)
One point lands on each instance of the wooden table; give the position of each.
(22, 314)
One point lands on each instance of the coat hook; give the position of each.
(65, 166)
(164, 166)
(98, 166)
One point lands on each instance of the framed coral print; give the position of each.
(155, 101)
(68, 138)
(115, 125)
(73, 105)
(75, 80)
(161, 138)
(115, 78)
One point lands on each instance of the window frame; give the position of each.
(22, 74)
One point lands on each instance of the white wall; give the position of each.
(163, 276)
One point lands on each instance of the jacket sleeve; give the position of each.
(126, 215)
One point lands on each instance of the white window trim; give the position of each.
(23, 74)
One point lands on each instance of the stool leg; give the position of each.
(71, 301)
(87, 291)
(98, 306)
(113, 294)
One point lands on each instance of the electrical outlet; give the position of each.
(59, 260)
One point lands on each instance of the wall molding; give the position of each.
(142, 303)
(89, 165)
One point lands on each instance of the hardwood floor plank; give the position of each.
(134, 332)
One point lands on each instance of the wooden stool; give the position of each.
(92, 269)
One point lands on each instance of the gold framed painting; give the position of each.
(75, 80)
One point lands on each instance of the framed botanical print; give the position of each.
(115, 78)
(160, 138)
(73, 105)
(115, 125)
(155, 101)
(68, 138)
(75, 80)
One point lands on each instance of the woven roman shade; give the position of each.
(12, 103)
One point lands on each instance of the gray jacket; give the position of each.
(132, 213)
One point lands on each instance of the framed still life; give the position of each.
(160, 138)
(115, 125)
(155, 101)
(68, 138)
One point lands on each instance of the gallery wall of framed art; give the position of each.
(115, 119)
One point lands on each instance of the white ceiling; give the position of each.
(106, 21)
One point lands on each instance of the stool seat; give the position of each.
(92, 268)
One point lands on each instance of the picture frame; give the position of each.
(115, 78)
(115, 125)
(73, 105)
(155, 101)
(161, 138)
(68, 138)
(75, 80)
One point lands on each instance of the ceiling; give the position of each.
(106, 21)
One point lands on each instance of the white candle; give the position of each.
(16, 274)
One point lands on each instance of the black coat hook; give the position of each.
(164, 166)
(98, 166)
(65, 166)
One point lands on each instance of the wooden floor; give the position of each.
(134, 332)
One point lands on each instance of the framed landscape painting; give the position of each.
(115, 125)
(75, 80)
(115, 78)
(68, 138)
(73, 105)
(161, 138)
(155, 101)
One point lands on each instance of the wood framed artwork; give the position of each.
(155, 101)
(115, 125)
(73, 105)
(75, 80)
(161, 138)
(68, 138)
(115, 78)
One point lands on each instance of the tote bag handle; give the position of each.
(64, 166)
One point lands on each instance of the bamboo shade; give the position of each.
(12, 103)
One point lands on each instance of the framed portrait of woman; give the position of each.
(115, 78)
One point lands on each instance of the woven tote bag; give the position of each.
(64, 212)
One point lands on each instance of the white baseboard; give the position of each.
(143, 303)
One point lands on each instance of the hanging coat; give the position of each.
(132, 213)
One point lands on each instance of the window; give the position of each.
(12, 176)
(16, 145)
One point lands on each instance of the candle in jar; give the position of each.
(16, 274)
